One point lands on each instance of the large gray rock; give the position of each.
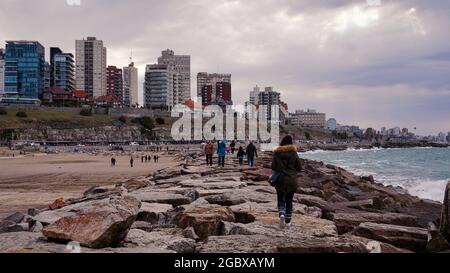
(347, 222)
(104, 223)
(152, 212)
(165, 239)
(305, 244)
(150, 196)
(412, 238)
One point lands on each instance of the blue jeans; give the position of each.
(221, 161)
(285, 204)
(241, 160)
(251, 161)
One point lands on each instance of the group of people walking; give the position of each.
(286, 165)
(223, 149)
(144, 159)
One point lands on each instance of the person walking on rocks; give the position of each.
(221, 152)
(240, 155)
(113, 162)
(209, 151)
(233, 146)
(131, 162)
(251, 153)
(286, 163)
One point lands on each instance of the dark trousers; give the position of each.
(285, 204)
(221, 161)
(251, 161)
(241, 160)
(209, 160)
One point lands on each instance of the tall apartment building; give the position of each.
(269, 98)
(90, 69)
(114, 81)
(24, 69)
(130, 85)
(47, 73)
(205, 79)
(2, 71)
(160, 85)
(309, 118)
(63, 71)
(53, 52)
(178, 64)
(254, 95)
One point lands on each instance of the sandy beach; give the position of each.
(37, 180)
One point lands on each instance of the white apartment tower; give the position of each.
(130, 85)
(178, 64)
(90, 67)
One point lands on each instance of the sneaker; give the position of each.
(288, 225)
(282, 222)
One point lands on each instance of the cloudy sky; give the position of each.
(366, 62)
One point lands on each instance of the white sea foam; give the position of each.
(428, 189)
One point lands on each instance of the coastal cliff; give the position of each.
(197, 209)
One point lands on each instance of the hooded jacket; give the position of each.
(209, 149)
(221, 148)
(287, 161)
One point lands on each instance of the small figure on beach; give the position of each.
(251, 153)
(240, 155)
(221, 152)
(209, 151)
(131, 162)
(142, 159)
(286, 163)
(228, 147)
(113, 162)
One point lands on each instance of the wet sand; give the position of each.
(36, 181)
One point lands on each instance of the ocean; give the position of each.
(423, 172)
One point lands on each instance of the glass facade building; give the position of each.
(24, 69)
(64, 71)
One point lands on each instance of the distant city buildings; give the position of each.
(114, 82)
(269, 98)
(448, 137)
(254, 96)
(2, 71)
(47, 72)
(214, 88)
(130, 85)
(53, 52)
(90, 67)
(309, 118)
(181, 65)
(24, 69)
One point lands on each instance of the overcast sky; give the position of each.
(365, 62)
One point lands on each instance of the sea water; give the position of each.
(423, 172)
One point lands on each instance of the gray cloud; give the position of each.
(369, 65)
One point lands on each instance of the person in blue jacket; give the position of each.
(221, 152)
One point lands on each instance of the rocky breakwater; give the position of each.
(197, 209)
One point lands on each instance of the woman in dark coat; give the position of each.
(287, 162)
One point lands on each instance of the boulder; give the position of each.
(16, 217)
(305, 244)
(105, 223)
(10, 226)
(190, 234)
(151, 212)
(164, 239)
(226, 199)
(412, 238)
(149, 196)
(206, 220)
(346, 222)
(445, 216)
(437, 242)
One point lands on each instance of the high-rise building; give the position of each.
(180, 64)
(90, 67)
(206, 95)
(63, 71)
(130, 85)
(223, 94)
(2, 71)
(24, 69)
(254, 95)
(114, 81)
(269, 98)
(204, 79)
(158, 87)
(47, 72)
(53, 52)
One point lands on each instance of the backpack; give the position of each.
(275, 179)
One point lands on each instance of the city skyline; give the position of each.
(376, 66)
